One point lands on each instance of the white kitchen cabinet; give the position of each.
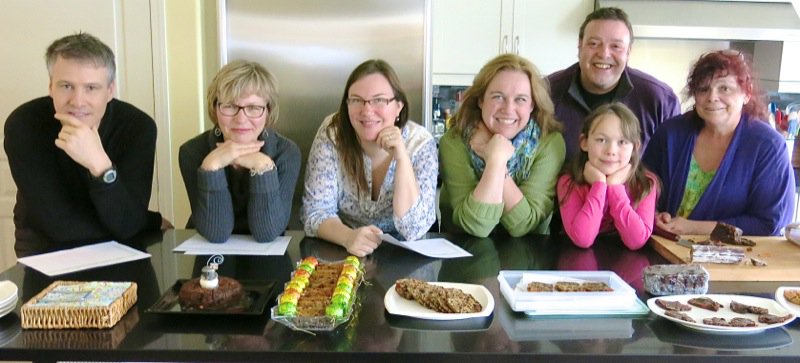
(468, 33)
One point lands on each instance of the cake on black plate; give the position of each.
(210, 291)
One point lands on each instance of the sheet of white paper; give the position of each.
(82, 258)
(434, 247)
(238, 244)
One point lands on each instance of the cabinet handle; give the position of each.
(516, 45)
(504, 44)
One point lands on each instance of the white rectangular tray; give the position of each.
(622, 298)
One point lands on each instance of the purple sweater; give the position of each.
(753, 188)
(651, 100)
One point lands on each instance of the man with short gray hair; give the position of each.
(81, 159)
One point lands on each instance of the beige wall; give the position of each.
(164, 74)
(192, 59)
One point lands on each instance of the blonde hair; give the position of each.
(543, 112)
(242, 78)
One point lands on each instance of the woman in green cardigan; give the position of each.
(501, 159)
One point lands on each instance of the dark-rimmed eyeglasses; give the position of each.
(379, 102)
(230, 110)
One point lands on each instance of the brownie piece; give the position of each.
(742, 323)
(715, 321)
(745, 309)
(705, 303)
(773, 319)
(539, 287)
(672, 305)
(679, 315)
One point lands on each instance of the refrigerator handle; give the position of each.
(516, 45)
(504, 44)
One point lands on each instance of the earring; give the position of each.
(217, 131)
(264, 134)
(397, 119)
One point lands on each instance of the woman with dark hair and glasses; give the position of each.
(370, 170)
(241, 174)
(721, 161)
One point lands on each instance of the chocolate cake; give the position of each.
(726, 233)
(729, 234)
(227, 294)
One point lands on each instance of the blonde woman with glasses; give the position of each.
(370, 170)
(241, 174)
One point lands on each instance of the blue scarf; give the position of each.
(519, 165)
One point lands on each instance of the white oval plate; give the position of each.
(698, 314)
(8, 292)
(397, 305)
(794, 308)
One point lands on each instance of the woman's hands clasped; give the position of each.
(243, 155)
(491, 147)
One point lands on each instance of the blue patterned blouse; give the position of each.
(329, 194)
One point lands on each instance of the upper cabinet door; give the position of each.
(546, 32)
(466, 34)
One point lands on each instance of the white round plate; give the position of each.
(8, 291)
(698, 314)
(4, 311)
(397, 305)
(794, 308)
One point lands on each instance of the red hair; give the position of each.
(722, 63)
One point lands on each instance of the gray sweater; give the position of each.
(229, 201)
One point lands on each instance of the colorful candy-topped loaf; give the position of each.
(320, 289)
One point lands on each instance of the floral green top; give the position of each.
(696, 183)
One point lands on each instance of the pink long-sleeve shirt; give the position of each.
(600, 208)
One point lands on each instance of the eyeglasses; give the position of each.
(230, 110)
(378, 103)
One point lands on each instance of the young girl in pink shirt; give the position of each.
(606, 187)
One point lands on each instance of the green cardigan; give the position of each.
(460, 210)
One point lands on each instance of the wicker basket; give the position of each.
(56, 316)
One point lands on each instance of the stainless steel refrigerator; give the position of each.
(311, 46)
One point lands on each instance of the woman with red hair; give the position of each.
(721, 161)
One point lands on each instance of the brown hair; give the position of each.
(610, 13)
(638, 184)
(543, 112)
(341, 130)
(239, 78)
(722, 63)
